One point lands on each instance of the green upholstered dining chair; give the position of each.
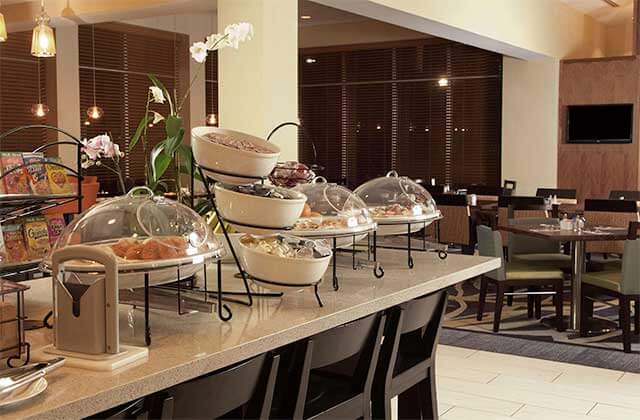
(516, 275)
(623, 284)
(527, 249)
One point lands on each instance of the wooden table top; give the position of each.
(553, 233)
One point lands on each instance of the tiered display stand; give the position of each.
(14, 206)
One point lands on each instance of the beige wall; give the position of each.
(619, 39)
(529, 123)
(364, 32)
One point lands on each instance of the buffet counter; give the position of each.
(188, 346)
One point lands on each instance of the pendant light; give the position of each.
(39, 110)
(3, 29)
(43, 43)
(94, 112)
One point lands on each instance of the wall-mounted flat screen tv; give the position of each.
(600, 123)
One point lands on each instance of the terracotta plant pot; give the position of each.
(90, 188)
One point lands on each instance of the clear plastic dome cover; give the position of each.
(140, 227)
(330, 206)
(396, 197)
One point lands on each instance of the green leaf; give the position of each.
(173, 143)
(160, 161)
(136, 136)
(172, 125)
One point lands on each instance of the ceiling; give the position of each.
(323, 15)
(604, 12)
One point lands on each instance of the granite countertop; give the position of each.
(188, 346)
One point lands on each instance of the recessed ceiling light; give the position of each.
(305, 17)
(310, 60)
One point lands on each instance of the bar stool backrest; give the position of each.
(251, 382)
(342, 342)
(631, 262)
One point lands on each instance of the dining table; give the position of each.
(577, 239)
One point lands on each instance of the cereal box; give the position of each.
(36, 236)
(56, 225)
(14, 243)
(58, 181)
(17, 181)
(37, 173)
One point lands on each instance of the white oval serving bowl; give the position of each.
(239, 165)
(291, 274)
(247, 209)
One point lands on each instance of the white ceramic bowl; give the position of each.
(235, 242)
(239, 163)
(253, 210)
(291, 273)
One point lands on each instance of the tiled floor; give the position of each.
(479, 385)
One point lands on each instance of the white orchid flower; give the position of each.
(116, 150)
(233, 35)
(157, 117)
(157, 94)
(216, 41)
(244, 31)
(199, 51)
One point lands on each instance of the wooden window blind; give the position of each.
(124, 55)
(370, 109)
(211, 84)
(19, 72)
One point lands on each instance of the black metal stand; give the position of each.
(442, 253)
(22, 346)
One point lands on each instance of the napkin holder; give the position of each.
(86, 330)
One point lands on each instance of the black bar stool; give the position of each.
(244, 390)
(332, 373)
(406, 366)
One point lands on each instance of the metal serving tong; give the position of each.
(14, 378)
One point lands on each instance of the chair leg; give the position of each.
(498, 310)
(428, 400)
(558, 288)
(530, 304)
(636, 311)
(482, 298)
(586, 313)
(625, 322)
(381, 407)
(510, 297)
(537, 303)
(409, 404)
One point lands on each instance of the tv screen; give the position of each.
(600, 123)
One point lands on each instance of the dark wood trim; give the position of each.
(138, 30)
(598, 59)
(374, 45)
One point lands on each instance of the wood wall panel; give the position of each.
(594, 170)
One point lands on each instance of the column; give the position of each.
(67, 89)
(258, 83)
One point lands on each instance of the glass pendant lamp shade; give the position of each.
(3, 29)
(39, 110)
(94, 112)
(43, 42)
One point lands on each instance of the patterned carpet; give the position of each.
(462, 307)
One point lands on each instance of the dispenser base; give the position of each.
(100, 362)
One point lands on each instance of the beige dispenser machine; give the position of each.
(86, 328)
